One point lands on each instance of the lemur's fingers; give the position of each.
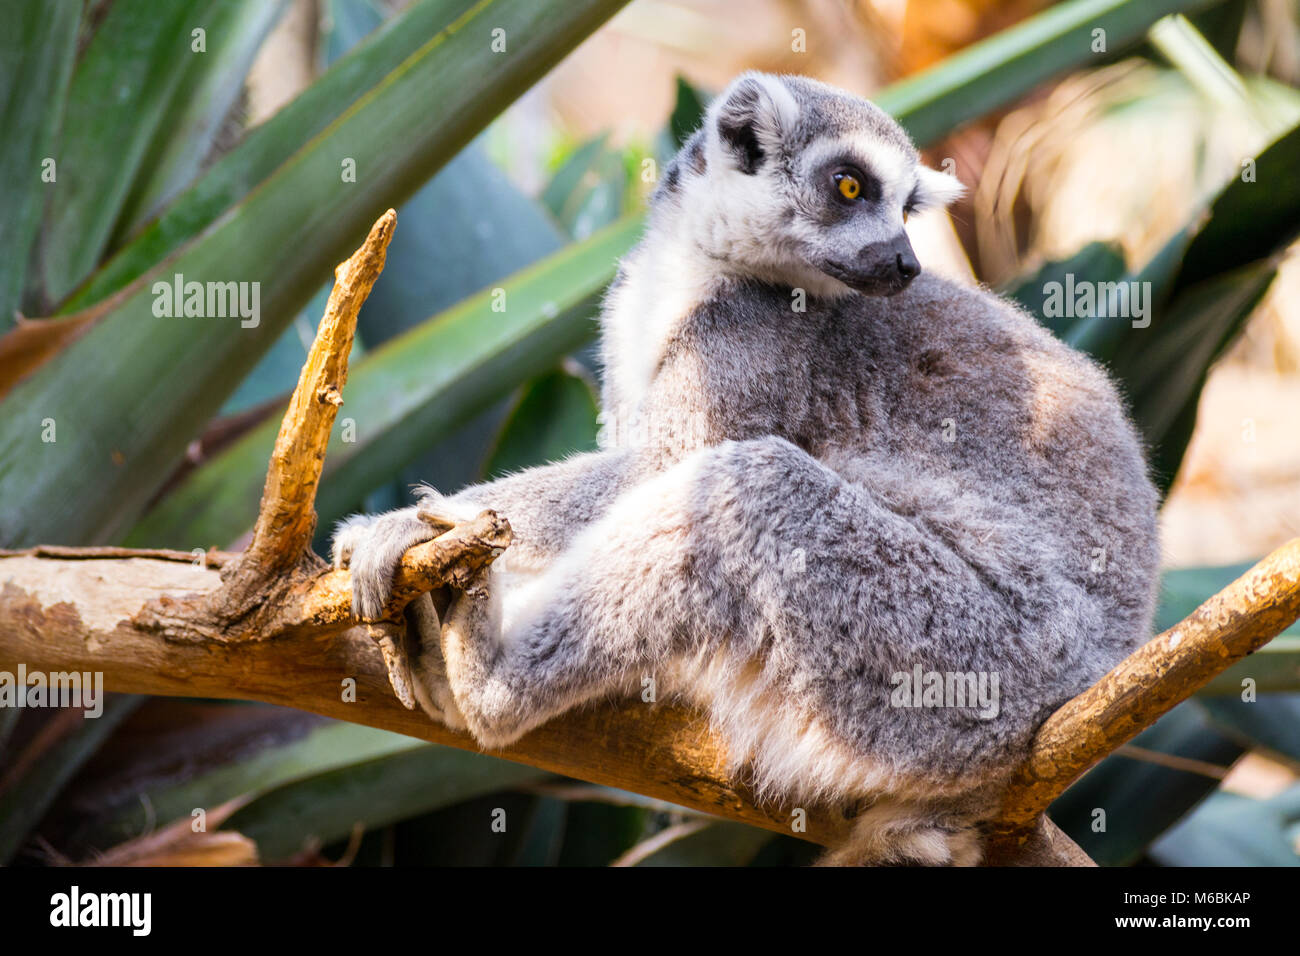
(374, 553)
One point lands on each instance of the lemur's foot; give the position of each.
(428, 669)
(395, 647)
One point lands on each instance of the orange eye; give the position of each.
(849, 186)
(904, 215)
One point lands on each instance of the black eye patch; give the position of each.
(872, 190)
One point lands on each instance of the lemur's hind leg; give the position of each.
(371, 546)
(583, 627)
(757, 552)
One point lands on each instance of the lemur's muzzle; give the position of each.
(881, 268)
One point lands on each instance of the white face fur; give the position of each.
(806, 185)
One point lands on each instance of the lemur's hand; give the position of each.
(373, 545)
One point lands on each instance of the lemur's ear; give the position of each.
(934, 188)
(751, 116)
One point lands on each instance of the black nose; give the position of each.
(908, 267)
(885, 267)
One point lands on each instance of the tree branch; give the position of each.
(287, 516)
(274, 624)
(1146, 685)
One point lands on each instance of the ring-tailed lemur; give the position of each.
(831, 496)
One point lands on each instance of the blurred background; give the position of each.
(1154, 141)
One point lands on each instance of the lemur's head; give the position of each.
(794, 181)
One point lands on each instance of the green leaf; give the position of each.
(462, 835)
(26, 799)
(1270, 722)
(37, 47)
(130, 394)
(1250, 220)
(554, 417)
(1095, 262)
(595, 834)
(421, 383)
(602, 203)
(346, 23)
(498, 231)
(1221, 24)
(374, 793)
(1203, 287)
(1225, 271)
(1165, 378)
(708, 843)
(306, 777)
(1275, 667)
(138, 57)
(209, 87)
(276, 373)
(589, 189)
(276, 143)
(1233, 830)
(688, 112)
(329, 746)
(1196, 59)
(1183, 590)
(995, 72)
(567, 180)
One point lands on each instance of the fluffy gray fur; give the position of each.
(815, 475)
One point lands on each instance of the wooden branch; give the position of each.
(212, 558)
(286, 518)
(85, 615)
(1146, 685)
(274, 624)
